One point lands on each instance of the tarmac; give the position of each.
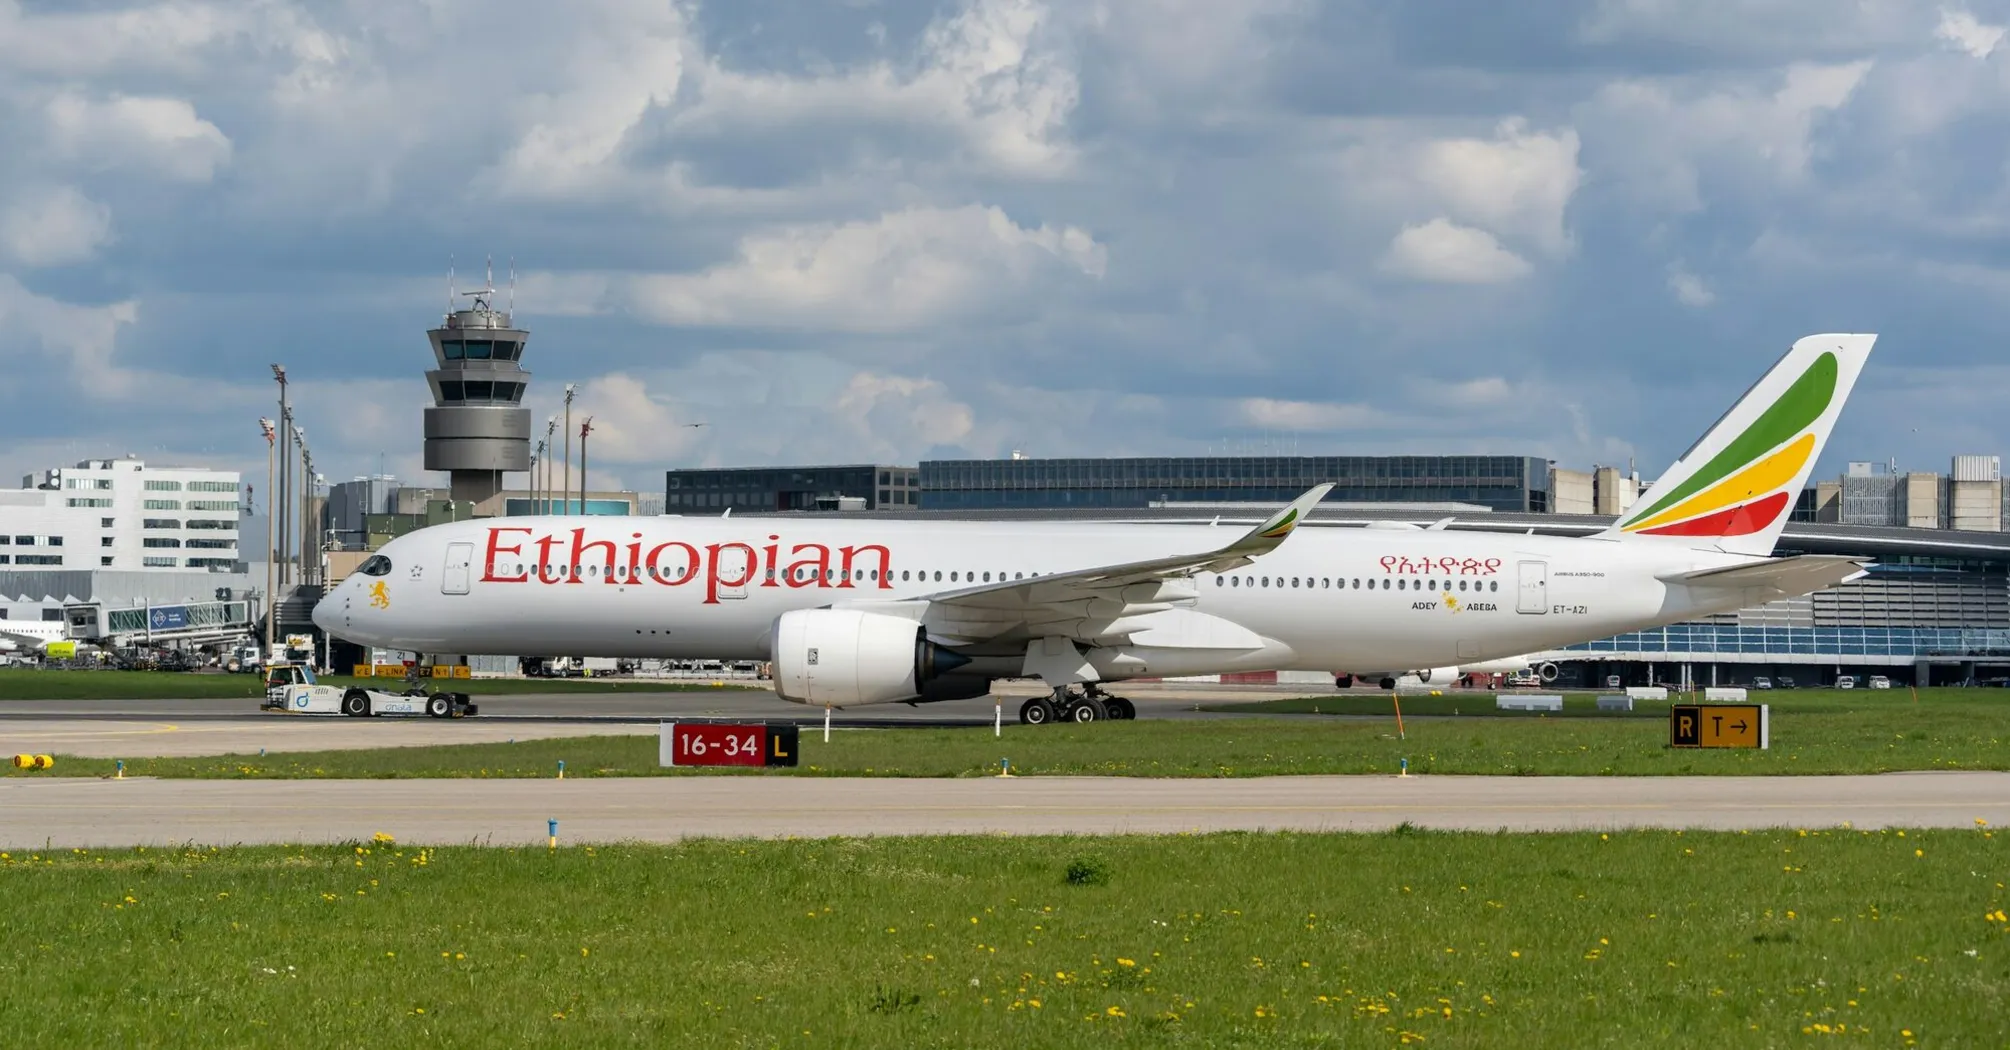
(180, 728)
(92, 813)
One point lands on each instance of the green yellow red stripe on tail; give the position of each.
(1740, 480)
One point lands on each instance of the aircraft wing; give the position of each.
(24, 641)
(1788, 576)
(1096, 603)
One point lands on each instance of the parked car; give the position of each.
(1786, 682)
(1612, 681)
(1846, 681)
(1878, 681)
(1762, 682)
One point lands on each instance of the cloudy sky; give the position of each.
(888, 230)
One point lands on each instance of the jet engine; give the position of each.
(842, 657)
(1439, 675)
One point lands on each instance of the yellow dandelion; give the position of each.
(1115, 1011)
(1126, 962)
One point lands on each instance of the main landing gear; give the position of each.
(1070, 704)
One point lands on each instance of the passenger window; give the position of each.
(1462, 585)
(903, 575)
(1402, 584)
(1494, 586)
(1219, 581)
(952, 576)
(938, 575)
(1235, 581)
(987, 577)
(1018, 575)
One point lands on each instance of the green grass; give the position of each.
(1817, 735)
(1650, 938)
(29, 684)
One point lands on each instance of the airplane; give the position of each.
(32, 636)
(869, 611)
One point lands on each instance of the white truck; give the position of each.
(292, 688)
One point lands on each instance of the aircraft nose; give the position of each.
(326, 612)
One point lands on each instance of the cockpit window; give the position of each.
(377, 565)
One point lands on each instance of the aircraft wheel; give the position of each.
(1087, 710)
(1120, 709)
(1036, 712)
(1388, 683)
(439, 706)
(356, 703)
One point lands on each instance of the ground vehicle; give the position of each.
(1878, 681)
(1524, 680)
(1845, 681)
(243, 657)
(1786, 682)
(1612, 681)
(1762, 682)
(293, 688)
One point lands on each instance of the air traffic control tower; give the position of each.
(477, 428)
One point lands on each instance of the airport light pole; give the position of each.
(271, 529)
(550, 431)
(306, 499)
(565, 501)
(279, 506)
(584, 429)
(535, 455)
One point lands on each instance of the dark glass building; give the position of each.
(855, 487)
(1502, 483)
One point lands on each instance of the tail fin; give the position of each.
(1735, 488)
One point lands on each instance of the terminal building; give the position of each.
(120, 532)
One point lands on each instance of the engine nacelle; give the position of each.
(1439, 675)
(842, 657)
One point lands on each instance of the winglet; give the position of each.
(1265, 537)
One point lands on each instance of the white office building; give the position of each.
(120, 532)
(122, 514)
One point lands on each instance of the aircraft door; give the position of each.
(735, 563)
(1533, 594)
(460, 556)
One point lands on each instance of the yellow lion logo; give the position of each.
(380, 596)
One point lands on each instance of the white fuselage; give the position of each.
(1327, 598)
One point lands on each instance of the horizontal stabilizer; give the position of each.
(1787, 576)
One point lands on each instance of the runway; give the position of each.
(179, 728)
(64, 813)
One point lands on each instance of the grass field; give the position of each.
(28, 684)
(1811, 734)
(1242, 940)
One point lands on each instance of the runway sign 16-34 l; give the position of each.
(1719, 725)
(720, 744)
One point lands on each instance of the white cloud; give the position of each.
(162, 136)
(53, 226)
(904, 269)
(81, 340)
(630, 425)
(1963, 32)
(1689, 289)
(1314, 416)
(1517, 183)
(1445, 252)
(629, 58)
(990, 75)
(1660, 137)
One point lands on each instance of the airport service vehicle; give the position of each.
(1878, 681)
(1762, 682)
(1847, 681)
(293, 688)
(853, 612)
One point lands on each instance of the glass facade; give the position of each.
(860, 486)
(518, 506)
(1502, 483)
(1804, 645)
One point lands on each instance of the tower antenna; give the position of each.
(512, 284)
(450, 284)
